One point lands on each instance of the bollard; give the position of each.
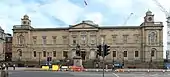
(163, 71)
(97, 70)
(128, 71)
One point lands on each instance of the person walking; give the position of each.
(113, 67)
(13, 66)
(6, 66)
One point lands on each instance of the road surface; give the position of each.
(83, 74)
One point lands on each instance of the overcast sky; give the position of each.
(57, 13)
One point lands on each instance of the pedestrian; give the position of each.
(13, 66)
(97, 65)
(113, 67)
(3, 66)
(6, 66)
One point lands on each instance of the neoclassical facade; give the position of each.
(129, 43)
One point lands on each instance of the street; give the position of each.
(20, 73)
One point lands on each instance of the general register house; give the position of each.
(129, 43)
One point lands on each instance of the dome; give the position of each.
(148, 12)
(26, 16)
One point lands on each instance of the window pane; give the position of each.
(152, 53)
(35, 54)
(20, 53)
(114, 53)
(136, 54)
(125, 53)
(54, 53)
(54, 39)
(44, 53)
(65, 54)
(44, 39)
(74, 41)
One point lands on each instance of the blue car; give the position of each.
(118, 65)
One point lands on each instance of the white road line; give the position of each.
(115, 75)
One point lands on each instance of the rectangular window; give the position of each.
(54, 53)
(136, 37)
(114, 53)
(125, 54)
(44, 40)
(125, 38)
(152, 53)
(65, 54)
(83, 39)
(44, 53)
(114, 38)
(54, 39)
(74, 41)
(103, 38)
(136, 54)
(92, 37)
(34, 39)
(48, 54)
(64, 39)
(35, 54)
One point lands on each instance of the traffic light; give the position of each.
(106, 50)
(99, 50)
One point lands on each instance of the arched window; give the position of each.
(152, 37)
(34, 53)
(44, 53)
(19, 52)
(21, 39)
(153, 51)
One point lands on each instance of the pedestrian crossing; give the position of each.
(141, 75)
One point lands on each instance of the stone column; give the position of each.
(92, 54)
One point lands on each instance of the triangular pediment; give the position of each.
(84, 25)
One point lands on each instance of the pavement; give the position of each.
(96, 70)
(21, 73)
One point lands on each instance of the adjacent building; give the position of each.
(127, 43)
(8, 47)
(2, 41)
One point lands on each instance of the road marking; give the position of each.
(115, 75)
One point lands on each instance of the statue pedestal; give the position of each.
(77, 61)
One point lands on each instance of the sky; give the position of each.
(61, 13)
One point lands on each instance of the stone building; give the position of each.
(8, 47)
(127, 43)
(2, 40)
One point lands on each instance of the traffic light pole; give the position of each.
(102, 50)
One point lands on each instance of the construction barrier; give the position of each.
(55, 67)
(45, 67)
(77, 69)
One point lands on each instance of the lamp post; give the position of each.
(151, 54)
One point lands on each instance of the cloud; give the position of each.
(95, 17)
(57, 13)
(63, 10)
